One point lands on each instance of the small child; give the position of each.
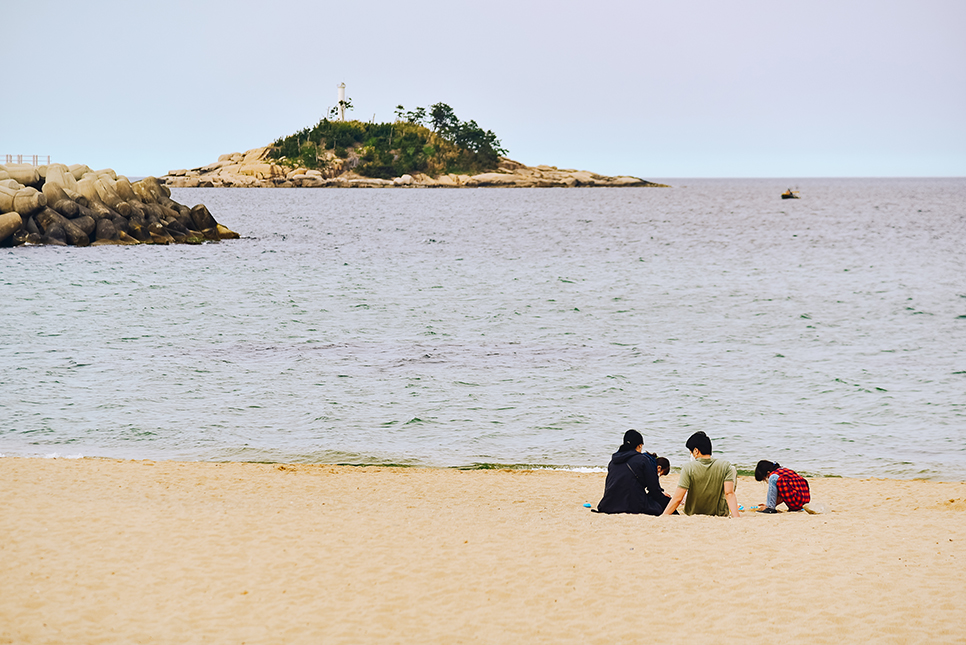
(662, 463)
(784, 485)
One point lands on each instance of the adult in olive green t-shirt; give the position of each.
(708, 482)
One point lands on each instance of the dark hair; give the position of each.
(765, 468)
(632, 439)
(663, 464)
(700, 441)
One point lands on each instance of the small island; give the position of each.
(422, 148)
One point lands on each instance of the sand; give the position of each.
(102, 551)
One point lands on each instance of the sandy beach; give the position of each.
(102, 551)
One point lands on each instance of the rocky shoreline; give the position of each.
(254, 169)
(73, 205)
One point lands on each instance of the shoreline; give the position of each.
(255, 168)
(482, 466)
(113, 551)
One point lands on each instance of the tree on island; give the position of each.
(345, 104)
(443, 118)
(384, 150)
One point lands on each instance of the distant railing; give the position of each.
(33, 160)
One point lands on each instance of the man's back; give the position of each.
(704, 479)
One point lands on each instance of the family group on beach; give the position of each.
(706, 485)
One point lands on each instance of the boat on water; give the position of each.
(790, 194)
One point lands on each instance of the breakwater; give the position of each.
(74, 205)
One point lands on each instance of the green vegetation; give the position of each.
(385, 150)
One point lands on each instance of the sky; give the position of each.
(692, 88)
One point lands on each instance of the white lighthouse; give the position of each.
(341, 102)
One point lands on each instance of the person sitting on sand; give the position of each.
(709, 483)
(662, 463)
(784, 486)
(632, 484)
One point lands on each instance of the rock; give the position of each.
(138, 233)
(419, 179)
(143, 194)
(50, 220)
(106, 172)
(255, 168)
(66, 207)
(255, 155)
(226, 234)
(150, 191)
(83, 210)
(22, 238)
(495, 179)
(28, 201)
(627, 181)
(262, 171)
(159, 235)
(184, 182)
(202, 218)
(367, 182)
(86, 224)
(214, 166)
(60, 175)
(85, 186)
(78, 170)
(55, 236)
(178, 173)
(22, 173)
(105, 230)
(6, 198)
(123, 188)
(509, 165)
(54, 193)
(308, 181)
(122, 240)
(77, 204)
(174, 227)
(124, 209)
(10, 223)
(105, 190)
(77, 197)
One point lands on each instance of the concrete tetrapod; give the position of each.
(79, 206)
(10, 223)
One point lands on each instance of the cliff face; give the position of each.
(254, 169)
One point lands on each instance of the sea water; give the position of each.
(508, 326)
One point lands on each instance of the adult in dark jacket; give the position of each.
(632, 484)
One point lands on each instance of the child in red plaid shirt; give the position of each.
(784, 485)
